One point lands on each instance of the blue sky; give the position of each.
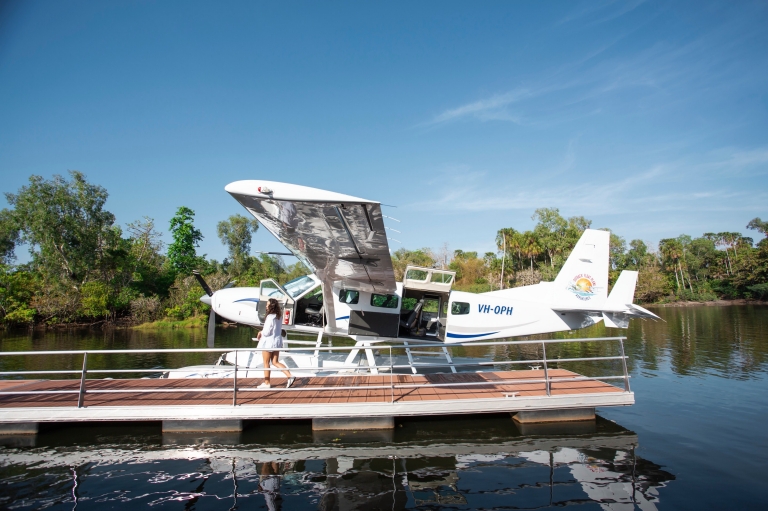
(650, 118)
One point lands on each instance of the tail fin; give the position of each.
(583, 281)
(623, 292)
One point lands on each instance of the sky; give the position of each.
(647, 117)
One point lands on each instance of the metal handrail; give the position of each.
(319, 369)
(392, 386)
(323, 348)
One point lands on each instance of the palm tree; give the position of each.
(531, 246)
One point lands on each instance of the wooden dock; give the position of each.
(331, 397)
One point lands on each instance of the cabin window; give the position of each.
(441, 278)
(349, 297)
(458, 308)
(270, 289)
(386, 301)
(408, 304)
(315, 293)
(299, 285)
(416, 275)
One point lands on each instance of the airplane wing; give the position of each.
(339, 237)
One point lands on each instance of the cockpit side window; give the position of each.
(298, 285)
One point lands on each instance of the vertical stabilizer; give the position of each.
(583, 281)
(623, 292)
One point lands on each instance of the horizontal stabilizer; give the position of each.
(640, 312)
(616, 319)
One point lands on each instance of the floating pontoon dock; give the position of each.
(537, 393)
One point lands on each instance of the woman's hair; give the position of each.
(273, 307)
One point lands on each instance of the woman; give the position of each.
(272, 339)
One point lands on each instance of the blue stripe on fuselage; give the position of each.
(469, 336)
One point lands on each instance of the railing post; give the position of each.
(546, 371)
(391, 376)
(81, 396)
(234, 388)
(624, 364)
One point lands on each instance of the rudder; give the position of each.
(583, 281)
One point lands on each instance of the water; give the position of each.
(695, 439)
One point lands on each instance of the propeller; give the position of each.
(211, 328)
(207, 300)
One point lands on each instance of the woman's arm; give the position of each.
(269, 326)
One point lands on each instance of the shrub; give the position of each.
(94, 299)
(144, 310)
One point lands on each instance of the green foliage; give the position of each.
(17, 287)
(9, 236)
(760, 290)
(94, 297)
(182, 255)
(65, 225)
(84, 268)
(236, 234)
(402, 258)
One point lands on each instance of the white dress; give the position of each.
(271, 336)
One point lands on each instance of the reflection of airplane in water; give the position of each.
(423, 463)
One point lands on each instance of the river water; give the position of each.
(695, 439)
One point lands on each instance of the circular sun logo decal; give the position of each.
(583, 286)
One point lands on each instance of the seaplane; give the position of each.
(352, 291)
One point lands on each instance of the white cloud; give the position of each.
(664, 73)
(493, 108)
(670, 186)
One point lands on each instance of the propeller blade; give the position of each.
(202, 283)
(211, 328)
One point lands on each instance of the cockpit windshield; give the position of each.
(298, 285)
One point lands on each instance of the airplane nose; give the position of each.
(206, 299)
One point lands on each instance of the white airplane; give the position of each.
(352, 291)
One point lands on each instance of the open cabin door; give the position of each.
(377, 315)
(425, 294)
(271, 289)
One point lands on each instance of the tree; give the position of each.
(181, 253)
(64, 223)
(531, 247)
(9, 236)
(637, 256)
(146, 272)
(236, 234)
(402, 258)
(758, 225)
(551, 231)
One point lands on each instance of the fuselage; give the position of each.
(417, 309)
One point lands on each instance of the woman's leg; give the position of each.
(266, 356)
(276, 363)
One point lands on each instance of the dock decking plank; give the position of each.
(305, 391)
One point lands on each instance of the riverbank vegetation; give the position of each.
(84, 269)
